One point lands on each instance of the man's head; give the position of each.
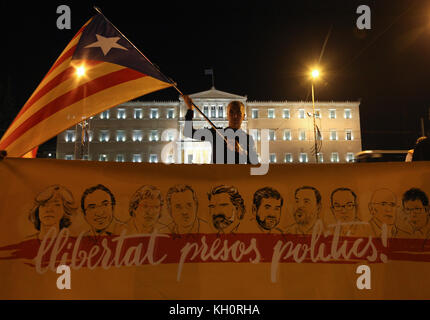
(182, 204)
(415, 205)
(145, 206)
(226, 206)
(307, 205)
(98, 204)
(343, 204)
(235, 114)
(382, 206)
(267, 205)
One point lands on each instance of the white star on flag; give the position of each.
(106, 44)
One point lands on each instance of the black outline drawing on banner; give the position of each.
(98, 207)
(383, 210)
(267, 209)
(415, 205)
(145, 209)
(182, 205)
(344, 207)
(53, 208)
(307, 208)
(226, 208)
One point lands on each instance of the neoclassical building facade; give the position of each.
(143, 131)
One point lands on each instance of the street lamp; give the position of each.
(314, 74)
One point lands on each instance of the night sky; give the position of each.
(260, 49)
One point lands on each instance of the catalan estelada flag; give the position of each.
(97, 70)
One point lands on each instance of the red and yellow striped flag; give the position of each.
(98, 70)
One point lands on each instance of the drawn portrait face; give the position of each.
(183, 208)
(148, 212)
(268, 214)
(416, 212)
(306, 207)
(51, 212)
(222, 211)
(98, 209)
(383, 206)
(344, 207)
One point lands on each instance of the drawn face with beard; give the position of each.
(222, 211)
(306, 207)
(269, 213)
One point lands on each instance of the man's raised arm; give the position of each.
(188, 127)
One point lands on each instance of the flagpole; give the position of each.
(169, 80)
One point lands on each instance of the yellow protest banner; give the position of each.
(94, 230)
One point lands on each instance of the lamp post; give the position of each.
(79, 146)
(315, 74)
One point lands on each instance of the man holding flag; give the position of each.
(231, 145)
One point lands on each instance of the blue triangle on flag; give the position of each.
(100, 41)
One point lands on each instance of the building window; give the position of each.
(103, 157)
(154, 113)
(213, 112)
(138, 114)
(68, 157)
(120, 113)
(348, 114)
(349, 157)
(272, 135)
(255, 133)
(137, 135)
(288, 158)
(170, 113)
(320, 157)
(334, 157)
(271, 113)
(286, 114)
(333, 134)
(254, 113)
(206, 111)
(70, 136)
(137, 157)
(190, 158)
(301, 113)
(220, 112)
(332, 113)
(153, 158)
(120, 158)
(170, 159)
(104, 115)
(302, 134)
(287, 134)
(318, 113)
(154, 135)
(303, 157)
(272, 158)
(170, 135)
(90, 135)
(348, 134)
(104, 136)
(120, 136)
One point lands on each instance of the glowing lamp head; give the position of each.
(80, 71)
(315, 73)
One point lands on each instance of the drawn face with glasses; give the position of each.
(383, 206)
(343, 205)
(98, 210)
(417, 213)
